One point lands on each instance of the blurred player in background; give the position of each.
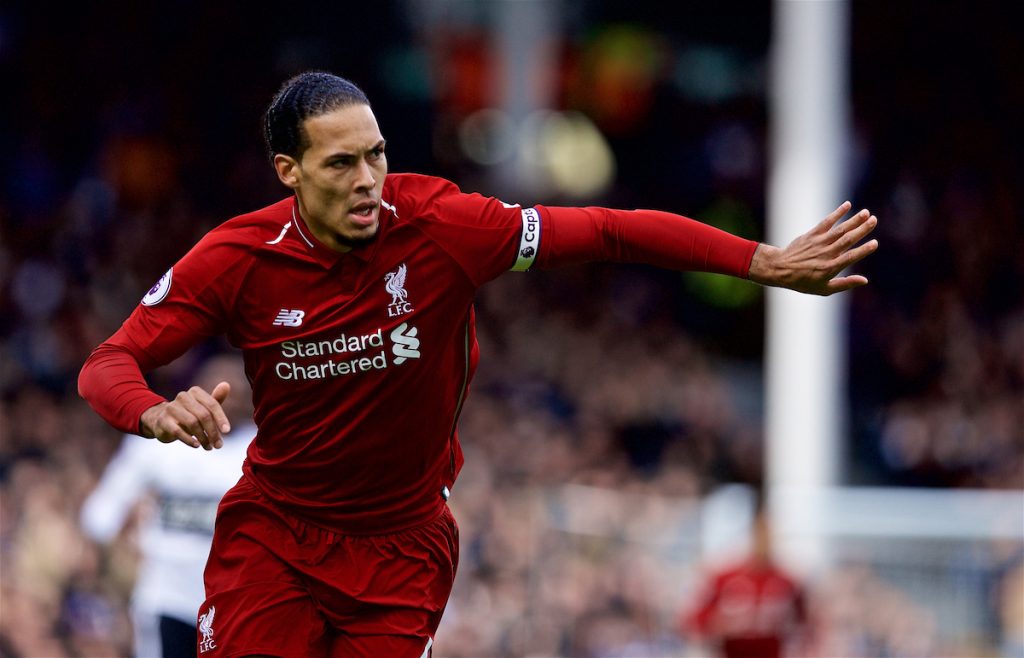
(351, 300)
(182, 489)
(751, 609)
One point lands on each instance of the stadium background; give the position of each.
(129, 129)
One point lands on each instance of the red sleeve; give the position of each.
(480, 233)
(111, 382)
(189, 303)
(488, 237)
(697, 621)
(577, 235)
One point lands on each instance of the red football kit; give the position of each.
(750, 610)
(360, 362)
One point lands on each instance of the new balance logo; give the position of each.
(289, 318)
(406, 345)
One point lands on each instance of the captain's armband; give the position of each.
(529, 242)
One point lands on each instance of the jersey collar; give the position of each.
(320, 252)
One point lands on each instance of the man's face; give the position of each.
(338, 179)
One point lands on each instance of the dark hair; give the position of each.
(306, 95)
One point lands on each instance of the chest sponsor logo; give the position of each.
(405, 345)
(347, 354)
(206, 628)
(289, 318)
(394, 283)
(159, 290)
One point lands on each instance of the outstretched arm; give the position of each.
(578, 235)
(811, 263)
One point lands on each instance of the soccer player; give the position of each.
(352, 303)
(753, 608)
(184, 488)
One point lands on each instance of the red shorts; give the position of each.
(281, 587)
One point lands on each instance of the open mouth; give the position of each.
(363, 211)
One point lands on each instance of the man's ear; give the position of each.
(288, 170)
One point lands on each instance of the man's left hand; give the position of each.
(811, 263)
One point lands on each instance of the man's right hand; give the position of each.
(193, 417)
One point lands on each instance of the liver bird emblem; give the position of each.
(394, 283)
(206, 623)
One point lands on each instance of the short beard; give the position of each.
(356, 243)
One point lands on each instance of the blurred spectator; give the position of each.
(861, 614)
(180, 489)
(753, 609)
(1010, 593)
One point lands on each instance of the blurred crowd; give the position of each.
(617, 378)
(937, 351)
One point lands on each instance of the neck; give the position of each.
(322, 235)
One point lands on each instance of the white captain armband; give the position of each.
(529, 243)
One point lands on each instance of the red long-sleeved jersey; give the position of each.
(750, 610)
(360, 362)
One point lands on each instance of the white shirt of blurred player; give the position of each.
(186, 485)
